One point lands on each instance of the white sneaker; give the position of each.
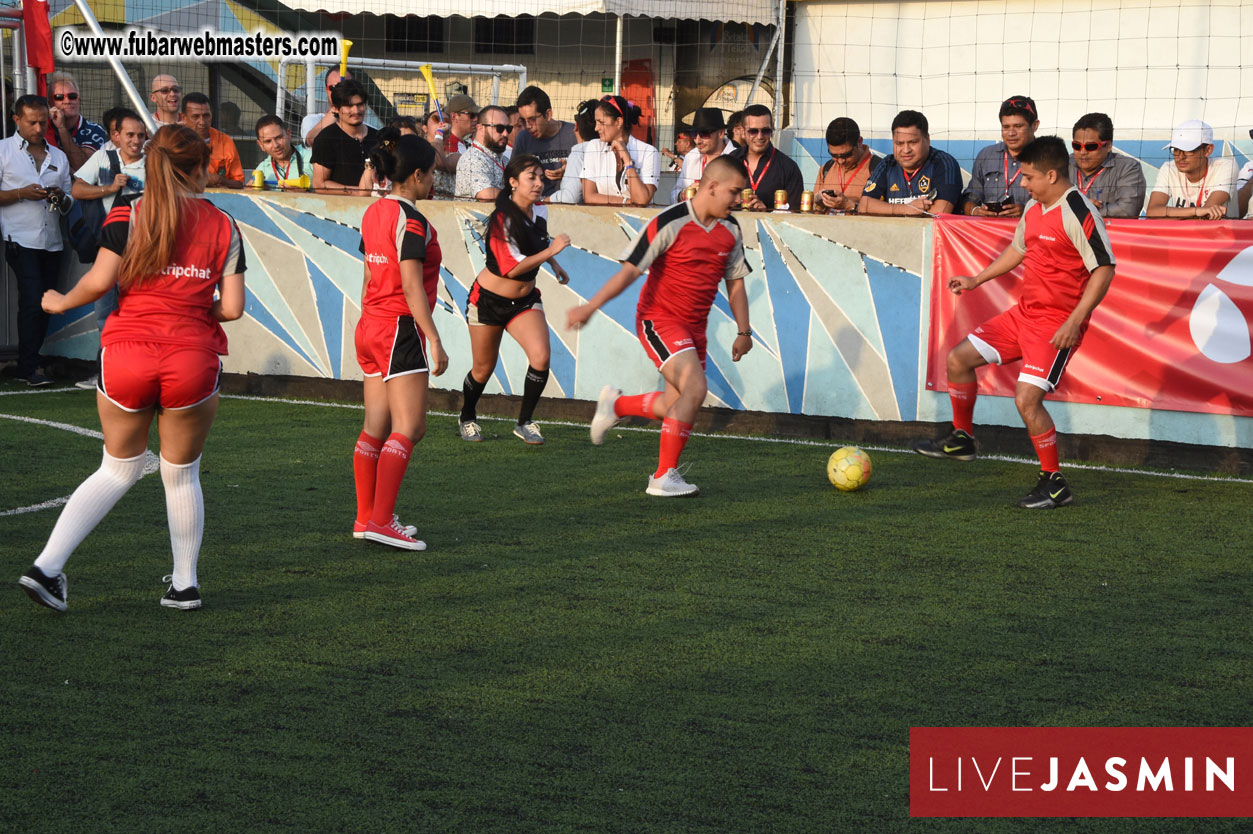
(87, 384)
(528, 433)
(671, 485)
(469, 430)
(605, 418)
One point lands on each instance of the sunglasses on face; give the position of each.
(1088, 146)
(760, 131)
(844, 155)
(64, 96)
(500, 128)
(699, 134)
(167, 90)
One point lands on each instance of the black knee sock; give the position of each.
(471, 390)
(531, 389)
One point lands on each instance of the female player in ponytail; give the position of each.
(396, 335)
(168, 252)
(618, 168)
(517, 246)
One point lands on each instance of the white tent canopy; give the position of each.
(740, 11)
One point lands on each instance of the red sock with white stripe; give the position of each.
(636, 405)
(393, 461)
(365, 465)
(1046, 448)
(962, 397)
(673, 438)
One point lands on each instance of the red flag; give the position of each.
(38, 41)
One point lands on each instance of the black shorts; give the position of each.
(486, 307)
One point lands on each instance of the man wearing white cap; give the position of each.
(1194, 186)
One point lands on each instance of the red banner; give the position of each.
(1080, 772)
(1172, 333)
(38, 40)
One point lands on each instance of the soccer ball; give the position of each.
(848, 468)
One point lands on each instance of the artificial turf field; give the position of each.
(571, 655)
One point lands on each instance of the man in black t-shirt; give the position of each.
(341, 150)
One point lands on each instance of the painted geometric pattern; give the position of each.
(836, 331)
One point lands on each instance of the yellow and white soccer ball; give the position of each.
(849, 468)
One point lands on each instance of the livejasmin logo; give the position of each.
(1081, 772)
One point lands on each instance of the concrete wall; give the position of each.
(839, 307)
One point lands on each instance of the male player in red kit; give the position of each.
(687, 250)
(1067, 265)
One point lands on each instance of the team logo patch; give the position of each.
(870, 186)
(924, 184)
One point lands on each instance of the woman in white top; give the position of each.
(618, 168)
(571, 190)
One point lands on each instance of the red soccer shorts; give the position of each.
(389, 346)
(663, 338)
(1012, 336)
(136, 376)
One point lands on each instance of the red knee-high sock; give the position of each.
(962, 396)
(673, 438)
(1046, 448)
(636, 405)
(365, 464)
(393, 461)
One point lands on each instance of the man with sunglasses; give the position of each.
(917, 180)
(481, 169)
(1194, 186)
(1112, 182)
(842, 179)
(768, 170)
(67, 129)
(165, 100)
(709, 135)
(995, 188)
(544, 137)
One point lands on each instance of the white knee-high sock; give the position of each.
(90, 502)
(184, 505)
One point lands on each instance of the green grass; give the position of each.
(573, 656)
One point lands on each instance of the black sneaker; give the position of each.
(45, 590)
(1050, 492)
(184, 600)
(37, 380)
(957, 445)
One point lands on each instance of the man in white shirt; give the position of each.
(709, 134)
(1244, 186)
(1194, 186)
(481, 168)
(34, 191)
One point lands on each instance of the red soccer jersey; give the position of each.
(508, 246)
(685, 262)
(174, 307)
(1063, 244)
(392, 231)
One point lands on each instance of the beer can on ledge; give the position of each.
(807, 201)
(780, 198)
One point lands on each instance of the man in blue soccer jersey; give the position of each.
(917, 179)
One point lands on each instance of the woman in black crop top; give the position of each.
(517, 246)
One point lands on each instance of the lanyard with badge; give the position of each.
(753, 183)
(1017, 174)
(844, 183)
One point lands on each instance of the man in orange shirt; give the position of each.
(841, 181)
(225, 169)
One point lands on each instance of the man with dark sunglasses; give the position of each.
(996, 188)
(768, 170)
(481, 169)
(1112, 182)
(67, 129)
(709, 135)
(842, 179)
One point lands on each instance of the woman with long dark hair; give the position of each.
(618, 168)
(168, 252)
(395, 335)
(504, 292)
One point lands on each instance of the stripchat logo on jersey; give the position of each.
(1081, 772)
(180, 271)
(374, 258)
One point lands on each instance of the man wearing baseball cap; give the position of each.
(1194, 186)
(462, 114)
(709, 136)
